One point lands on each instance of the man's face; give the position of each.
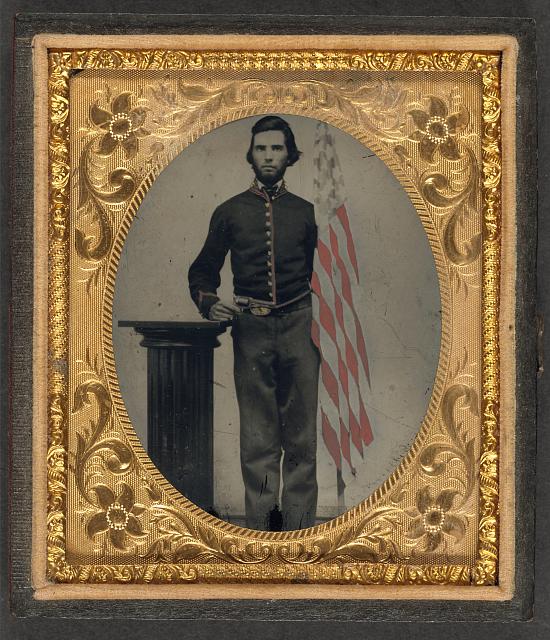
(269, 156)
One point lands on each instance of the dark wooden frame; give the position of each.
(19, 404)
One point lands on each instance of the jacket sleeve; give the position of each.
(311, 241)
(204, 273)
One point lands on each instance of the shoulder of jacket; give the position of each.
(298, 201)
(231, 202)
(224, 210)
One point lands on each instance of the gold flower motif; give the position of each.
(436, 129)
(117, 515)
(434, 519)
(122, 125)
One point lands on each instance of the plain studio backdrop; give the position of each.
(399, 308)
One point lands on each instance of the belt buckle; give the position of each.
(260, 311)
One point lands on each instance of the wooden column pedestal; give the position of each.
(180, 402)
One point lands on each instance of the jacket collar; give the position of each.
(258, 189)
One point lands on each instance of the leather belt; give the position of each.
(259, 308)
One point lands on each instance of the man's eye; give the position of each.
(260, 148)
(278, 147)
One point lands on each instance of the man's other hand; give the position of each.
(223, 311)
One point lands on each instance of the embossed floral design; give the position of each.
(122, 125)
(118, 515)
(434, 519)
(436, 130)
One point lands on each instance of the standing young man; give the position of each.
(271, 235)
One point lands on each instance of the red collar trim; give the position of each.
(255, 188)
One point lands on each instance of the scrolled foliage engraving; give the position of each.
(181, 539)
(117, 127)
(187, 550)
(369, 541)
(437, 134)
(120, 458)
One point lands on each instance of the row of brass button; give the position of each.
(268, 243)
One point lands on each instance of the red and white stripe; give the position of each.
(337, 328)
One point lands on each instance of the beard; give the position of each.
(271, 177)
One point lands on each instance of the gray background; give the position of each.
(399, 306)
(272, 620)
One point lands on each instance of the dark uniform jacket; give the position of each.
(272, 242)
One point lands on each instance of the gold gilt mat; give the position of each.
(434, 118)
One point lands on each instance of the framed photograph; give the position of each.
(276, 316)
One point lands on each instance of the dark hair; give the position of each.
(274, 123)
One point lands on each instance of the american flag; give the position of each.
(337, 328)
